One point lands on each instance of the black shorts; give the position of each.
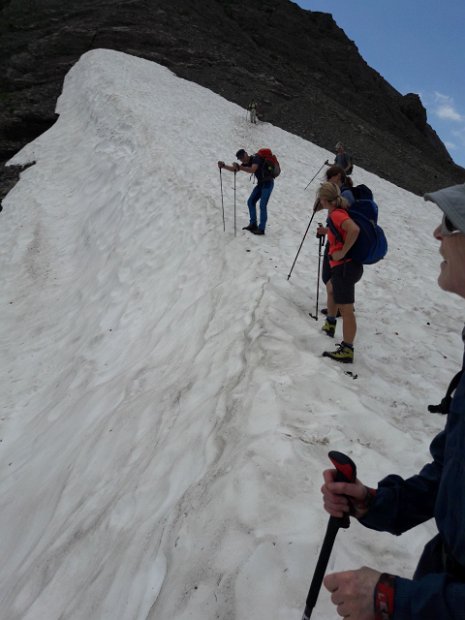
(343, 278)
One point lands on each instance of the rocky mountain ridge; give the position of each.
(305, 74)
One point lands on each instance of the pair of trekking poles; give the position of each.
(320, 247)
(320, 237)
(321, 240)
(222, 202)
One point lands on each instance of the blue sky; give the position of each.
(417, 46)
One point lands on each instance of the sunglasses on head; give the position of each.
(447, 227)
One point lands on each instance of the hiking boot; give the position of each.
(329, 328)
(343, 354)
(251, 227)
(258, 231)
(325, 311)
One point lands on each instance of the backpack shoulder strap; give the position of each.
(333, 228)
(444, 405)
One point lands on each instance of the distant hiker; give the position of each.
(437, 589)
(253, 111)
(334, 174)
(345, 272)
(343, 159)
(257, 165)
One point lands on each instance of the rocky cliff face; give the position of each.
(305, 74)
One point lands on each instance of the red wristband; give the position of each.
(384, 597)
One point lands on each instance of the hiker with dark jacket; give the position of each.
(334, 174)
(437, 589)
(345, 272)
(254, 164)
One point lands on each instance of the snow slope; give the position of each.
(166, 412)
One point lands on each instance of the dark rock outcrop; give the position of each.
(306, 75)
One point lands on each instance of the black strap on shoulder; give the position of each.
(333, 229)
(444, 405)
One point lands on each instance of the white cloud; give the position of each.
(445, 108)
(448, 112)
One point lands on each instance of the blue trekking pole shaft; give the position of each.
(235, 203)
(314, 177)
(301, 244)
(346, 472)
(222, 200)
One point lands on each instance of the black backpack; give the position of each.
(361, 192)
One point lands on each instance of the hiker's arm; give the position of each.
(232, 168)
(397, 505)
(250, 169)
(401, 504)
(433, 596)
(352, 232)
(357, 592)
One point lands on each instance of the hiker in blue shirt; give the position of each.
(437, 589)
(254, 164)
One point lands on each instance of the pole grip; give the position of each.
(346, 468)
(346, 472)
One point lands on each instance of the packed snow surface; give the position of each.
(166, 411)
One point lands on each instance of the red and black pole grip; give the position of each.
(346, 468)
(346, 472)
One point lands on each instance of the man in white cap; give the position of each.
(437, 590)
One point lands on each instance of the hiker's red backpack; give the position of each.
(271, 162)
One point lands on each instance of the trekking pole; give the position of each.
(301, 244)
(346, 472)
(235, 203)
(222, 200)
(325, 164)
(320, 245)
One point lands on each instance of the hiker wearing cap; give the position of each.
(334, 174)
(437, 589)
(345, 272)
(253, 111)
(343, 159)
(254, 164)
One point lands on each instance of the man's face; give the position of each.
(244, 158)
(452, 249)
